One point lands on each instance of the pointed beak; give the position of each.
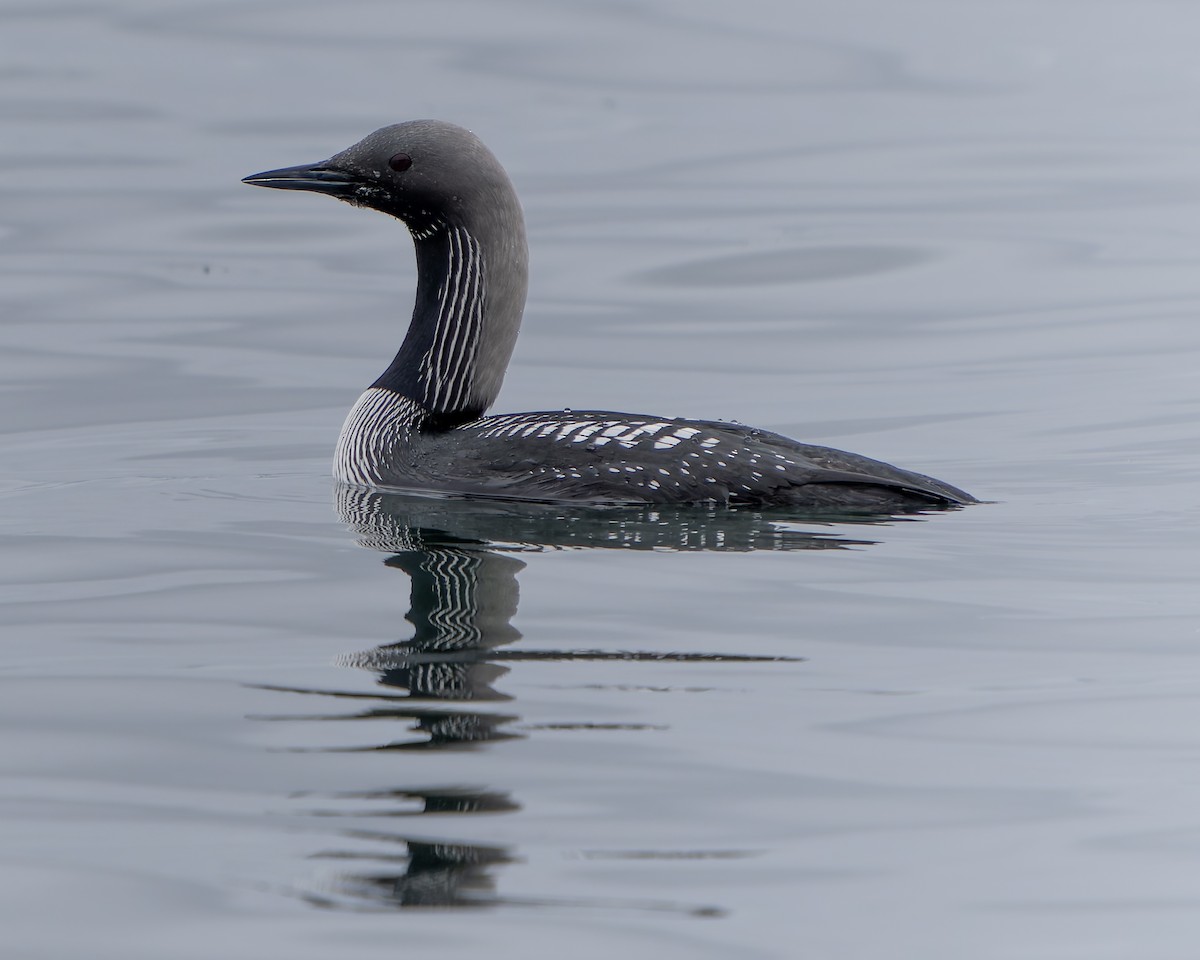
(316, 177)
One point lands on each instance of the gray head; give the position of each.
(466, 221)
(422, 172)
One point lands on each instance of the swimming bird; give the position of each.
(422, 425)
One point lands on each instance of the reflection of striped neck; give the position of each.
(447, 366)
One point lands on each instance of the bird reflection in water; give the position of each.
(462, 557)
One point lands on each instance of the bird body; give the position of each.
(421, 424)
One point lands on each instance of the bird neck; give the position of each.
(471, 283)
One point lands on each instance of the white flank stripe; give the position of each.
(377, 426)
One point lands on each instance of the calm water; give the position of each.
(246, 716)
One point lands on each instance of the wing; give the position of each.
(609, 457)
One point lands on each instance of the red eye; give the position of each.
(400, 162)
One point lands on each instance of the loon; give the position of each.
(421, 425)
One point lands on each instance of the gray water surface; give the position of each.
(247, 714)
